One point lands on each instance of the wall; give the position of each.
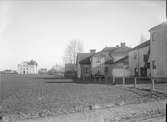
(83, 73)
(97, 64)
(138, 61)
(27, 69)
(159, 52)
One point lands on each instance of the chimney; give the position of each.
(92, 51)
(122, 44)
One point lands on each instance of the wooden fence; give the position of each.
(150, 80)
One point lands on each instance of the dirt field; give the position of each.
(39, 96)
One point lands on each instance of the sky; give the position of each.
(41, 29)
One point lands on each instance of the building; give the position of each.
(158, 50)
(70, 67)
(139, 64)
(85, 66)
(82, 56)
(27, 67)
(8, 71)
(119, 68)
(101, 61)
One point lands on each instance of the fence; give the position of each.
(139, 80)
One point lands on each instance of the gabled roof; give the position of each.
(123, 60)
(85, 61)
(142, 45)
(109, 62)
(81, 56)
(162, 25)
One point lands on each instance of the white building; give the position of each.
(27, 67)
(158, 55)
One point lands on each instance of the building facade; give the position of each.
(119, 68)
(139, 63)
(85, 65)
(101, 62)
(80, 57)
(158, 48)
(27, 67)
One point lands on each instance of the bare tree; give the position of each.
(71, 51)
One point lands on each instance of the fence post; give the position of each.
(135, 81)
(153, 84)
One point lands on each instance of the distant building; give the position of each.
(28, 67)
(139, 63)
(82, 56)
(70, 67)
(8, 71)
(42, 71)
(158, 49)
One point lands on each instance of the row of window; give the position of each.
(145, 57)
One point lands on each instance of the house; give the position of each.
(85, 66)
(158, 50)
(119, 68)
(27, 67)
(82, 56)
(101, 61)
(139, 64)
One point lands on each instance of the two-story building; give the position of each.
(27, 67)
(139, 64)
(79, 62)
(101, 61)
(85, 65)
(158, 49)
(119, 68)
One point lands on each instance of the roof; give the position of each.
(108, 48)
(109, 61)
(142, 45)
(81, 56)
(85, 61)
(162, 25)
(32, 62)
(124, 60)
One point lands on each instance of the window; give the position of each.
(106, 70)
(145, 58)
(86, 70)
(153, 64)
(148, 65)
(135, 55)
(98, 59)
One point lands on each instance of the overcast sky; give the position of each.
(41, 30)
